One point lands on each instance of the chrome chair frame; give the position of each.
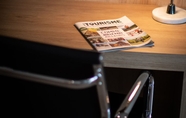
(98, 80)
(145, 79)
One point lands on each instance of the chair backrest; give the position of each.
(40, 80)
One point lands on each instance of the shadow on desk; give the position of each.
(167, 89)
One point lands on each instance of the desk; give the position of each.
(52, 22)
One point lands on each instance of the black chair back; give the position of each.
(40, 80)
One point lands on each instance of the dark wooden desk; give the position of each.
(52, 22)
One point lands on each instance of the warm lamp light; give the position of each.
(169, 14)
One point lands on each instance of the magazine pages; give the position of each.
(113, 34)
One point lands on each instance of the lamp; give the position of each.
(169, 14)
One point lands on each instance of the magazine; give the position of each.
(113, 34)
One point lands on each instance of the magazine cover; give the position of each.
(113, 34)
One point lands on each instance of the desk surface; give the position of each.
(52, 22)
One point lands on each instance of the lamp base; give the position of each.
(160, 14)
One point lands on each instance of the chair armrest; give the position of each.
(144, 79)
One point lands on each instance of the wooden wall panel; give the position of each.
(179, 3)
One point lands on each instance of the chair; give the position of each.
(40, 80)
